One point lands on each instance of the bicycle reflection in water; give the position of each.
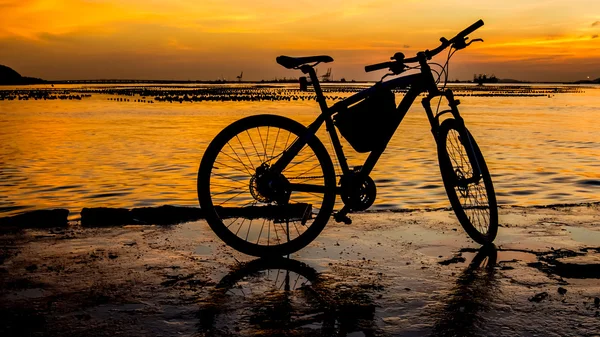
(471, 297)
(287, 297)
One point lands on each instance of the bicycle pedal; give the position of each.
(342, 218)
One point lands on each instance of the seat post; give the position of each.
(316, 85)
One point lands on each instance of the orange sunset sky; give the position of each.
(537, 40)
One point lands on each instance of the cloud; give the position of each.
(595, 36)
(597, 23)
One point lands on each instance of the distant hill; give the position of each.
(596, 81)
(10, 77)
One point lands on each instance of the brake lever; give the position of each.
(462, 44)
(474, 40)
(386, 75)
(396, 70)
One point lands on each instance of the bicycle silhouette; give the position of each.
(267, 185)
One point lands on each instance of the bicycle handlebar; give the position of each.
(467, 31)
(459, 38)
(378, 66)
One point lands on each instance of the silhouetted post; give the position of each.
(303, 83)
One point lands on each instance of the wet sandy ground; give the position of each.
(387, 274)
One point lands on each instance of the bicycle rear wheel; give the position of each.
(467, 181)
(254, 210)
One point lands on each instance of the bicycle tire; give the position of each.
(479, 218)
(249, 126)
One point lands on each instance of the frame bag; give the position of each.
(369, 124)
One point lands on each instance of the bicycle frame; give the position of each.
(418, 83)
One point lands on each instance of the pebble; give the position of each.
(539, 297)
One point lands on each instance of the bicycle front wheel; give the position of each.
(258, 211)
(467, 181)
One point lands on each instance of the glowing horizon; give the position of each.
(552, 40)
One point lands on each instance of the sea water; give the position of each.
(116, 150)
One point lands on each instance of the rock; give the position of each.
(37, 219)
(539, 297)
(392, 320)
(455, 259)
(103, 216)
(31, 268)
(562, 290)
(597, 302)
(165, 215)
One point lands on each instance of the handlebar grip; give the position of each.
(468, 31)
(378, 66)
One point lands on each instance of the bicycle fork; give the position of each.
(464, 136)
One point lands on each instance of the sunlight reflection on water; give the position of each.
(96, 152)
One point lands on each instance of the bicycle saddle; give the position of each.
(293, 62)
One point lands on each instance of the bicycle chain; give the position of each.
(311, 177)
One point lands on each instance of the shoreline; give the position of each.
(172, 214)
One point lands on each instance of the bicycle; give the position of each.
(290, 185)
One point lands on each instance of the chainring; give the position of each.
(358, 192)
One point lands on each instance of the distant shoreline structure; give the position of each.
(288, 81)
(9, 76)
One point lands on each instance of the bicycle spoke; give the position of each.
(243, 148)
(222, 165)
(266, 143)
(228, 191)
(238, 161)
(254, 146)
(231, 198)
(287, 140)
(226, 177)
(275, 143)
(261, 141)
(238, 157)
(261, 229)
(311, 169)
(241, 224)
(296, 164)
